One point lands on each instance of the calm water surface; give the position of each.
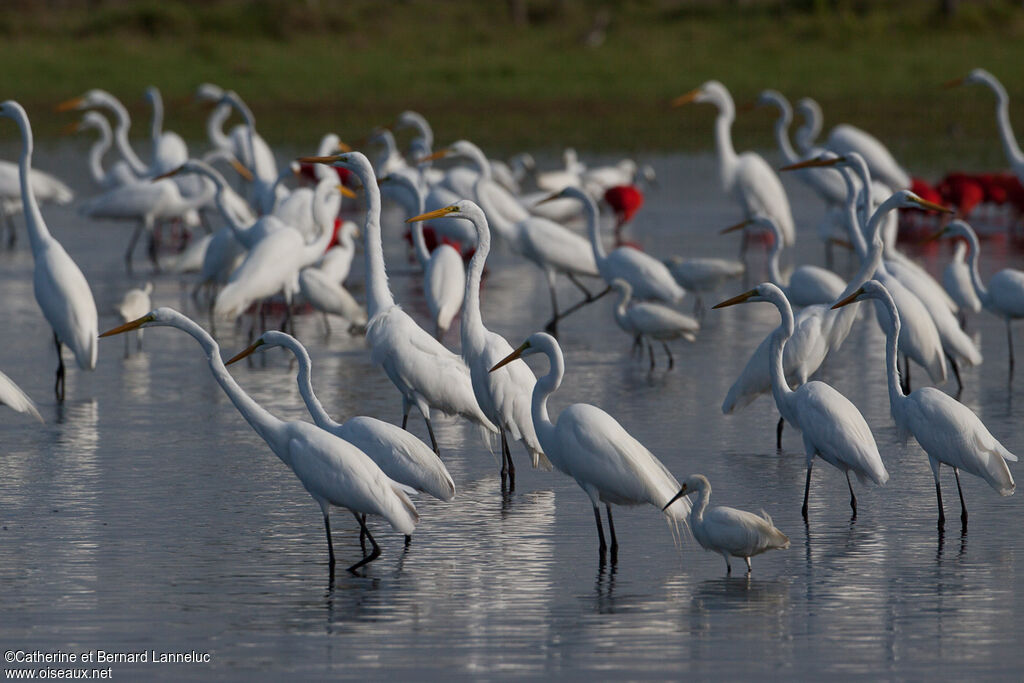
(147, 515)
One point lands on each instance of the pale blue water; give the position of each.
(146, 514)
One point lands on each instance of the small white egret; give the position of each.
(1010, 145)
(726, 530)
(332, 470)
(133, 305)
(956, 279)
(646, 319)
(948, 431)
(590, 446)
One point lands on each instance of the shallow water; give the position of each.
(147, 515)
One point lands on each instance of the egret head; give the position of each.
(267, 340)
(694, 484)
(208, 93)
(872, 289)
(91, 98)
(974, 76)
(463, 208)
(765, 291)
(712, 92)
(156, 317)
(771, 98)
(535, 343)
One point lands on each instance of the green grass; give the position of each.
(306, 68)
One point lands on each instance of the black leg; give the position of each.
(330, 543)
(504, 460)
(611, 528)
(638, 345)
(963, 506)
(12, 233)
(778, 433)
(728, 567)
(507, 455)
(131, 248)
(749, 568)
(579, 285)
(361, 521)
(650, 352)
(405, 415)
(600, 531)
(807, 491)
(58, 386)
(433, 440)
(552, 326)
(956, 373)
(938, 495)
(374, 554)
(1009, 344)
(671, 361)
(906, 364)
(575, 307)
(853, 498)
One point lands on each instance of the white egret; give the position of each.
(95, 99)
(832, 427)
(133, 305)
(956, 280)
(649, 277)
(808, 284)
(402, 456)
(332, 470)
(1004, 294)
(12, 396)
(948, 431)
(426, 373)
(327, 295)
(119, 172)
(845, 138)
(265, 190)
(1010, 146)
(503, 396)
(444, 275)
(337, 262)
(60, 288)
(46, 188)
(590, 446)
(646, 319)
(699, 275)
(726, 530)
(169, 149)
(746, 177)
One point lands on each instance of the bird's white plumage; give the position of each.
(12, 396)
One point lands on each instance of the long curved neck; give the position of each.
(256, 415)
(774, 274)
(727, 158)
(892, 336)
(780, 387)
(305, 381)
(472, 319)
(476, 155)
(973, 252)
(782, 132)
(419, 243)
(593, 222)
(221, 199)
(503, 226)
(850, 213)
(322, 209)
(546, 386)
(98, 149)
(157, 126)
(121, 137)
(215, 126)
(697, 511)
(37, 232)
(1010, 146)
(378, 294)
(867, 200)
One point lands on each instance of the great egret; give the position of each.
(402, 456)
(326, 294)
(651, 320)
(444, 275)
(17, 400)
(808, 284)
(946, 429)
(45, 187)
(726, 530)
(169, 149)
(95, 99)
(266, 192)
(845, 138)
(832, 427)
(119, 172)
(133, 305)
(649, 277)
(332, 470)
(503, 396)
(1004, 295)
(746, 177)
(61, 290)
(956, 279)
(1010, 145)
(700, 275)
(426, 373)
(590, 446)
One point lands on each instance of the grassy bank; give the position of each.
(307, 68)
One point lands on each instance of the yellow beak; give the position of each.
(511, 357)
(128, 327)
(686, 99)
(431, 214)
(73, 127)
(925, 204)
(330, 159)
(738, 299)
(954, 83)
(936, 236)
(734, 228)
(550, 197)
(850, 299)
(813, 163)
(73, 103)
(342, 147)
(347, 192)
(247, 351)
(439, 154)
(170, 173)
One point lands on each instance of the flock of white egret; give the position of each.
(281, 242)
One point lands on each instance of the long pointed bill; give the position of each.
(734, 228)
(685, 99)
(550, 197)
(73, 103)
(931, 206)
(682, 492)
(71, 128)
(849, 300)
(347, 192)
(955, 82)
(845, 244)
(128, 327)
(170, 173)
(511, 357)
(248, 351)
(813, 163)
(439, 154)
(932, 238)
(241, 170)
(738, 299)
(320, 160)
(431, 214)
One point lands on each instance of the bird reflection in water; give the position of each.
(942, 544)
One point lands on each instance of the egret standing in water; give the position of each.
(331, 469)
(727, 530)
(946, 429)
(590, 446)
(61, 290)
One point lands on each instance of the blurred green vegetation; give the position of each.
(525, 74)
